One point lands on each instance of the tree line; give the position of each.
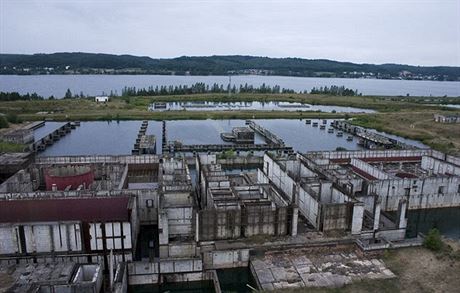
(15, 96)
(211, 65)
(197, 88)
(202, 88)
(335, 91)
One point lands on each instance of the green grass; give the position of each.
(8, 147)
(181, 115)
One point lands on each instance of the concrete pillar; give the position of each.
(197, 227)
(294, 221)
(401, 217)
(163, 228)
(377, 204)
(357, 220)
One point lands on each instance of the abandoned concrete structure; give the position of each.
(239, 135)
(149, 219)
(455, 118)
(235, 206)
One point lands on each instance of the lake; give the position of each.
(117, 138)
(57, 85)
(257, 106)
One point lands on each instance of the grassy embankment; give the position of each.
(8, 147)
(404, 116)
(418, 125)
(417, 269)
(136, 107)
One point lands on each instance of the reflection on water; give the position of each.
(235, 280)
(188, 287)
(117, 138)
(261, 106)
(446, 220)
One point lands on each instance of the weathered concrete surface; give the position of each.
(302, 268)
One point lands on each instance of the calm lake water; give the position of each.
(263, 106)
(446, 220)
(116, 138)
(57, 85)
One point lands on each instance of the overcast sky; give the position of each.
(422, 32)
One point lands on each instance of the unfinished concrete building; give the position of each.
(323, 204)
(155, 219)
(391, 181)
(234, 206)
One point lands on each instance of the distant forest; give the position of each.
(88, 63)
(197, 88)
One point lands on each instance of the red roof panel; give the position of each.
(67, 209)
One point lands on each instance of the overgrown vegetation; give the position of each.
(9, 147)
(335, 91)
(202, 88)
(433, 240)
(229, 154)
(15, 96)
(3, 122)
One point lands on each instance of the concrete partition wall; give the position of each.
(433, 192)
(439, 167)
(279, 176)
(180, 220)
(19, 182)
(453, 160)
(308, 206)
(357, 219)
(148, 203)
(339, 197)
(217, 224)
(41, 237)
(224, 259)
(369, 169)
(49, 237)
(335, 217)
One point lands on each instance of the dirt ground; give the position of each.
(421, 270)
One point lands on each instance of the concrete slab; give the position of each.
(292, 268)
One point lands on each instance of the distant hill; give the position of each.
(88, 63)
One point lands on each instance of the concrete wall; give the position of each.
(373, 154)
(357, 219)
(369, 169)
(148, 203)
(180, 221)
(140, 273)
(178, 250)
(335, 217)
(421, 193)
(41, 238)
(436, 166)
(279, 177)
(309, 207)
(118, 236)
(219, 224)
(224, 259)
(20, 182)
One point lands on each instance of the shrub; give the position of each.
(3, 122)
(13, 118)
(433, 240)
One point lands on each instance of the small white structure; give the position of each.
(102, 99)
